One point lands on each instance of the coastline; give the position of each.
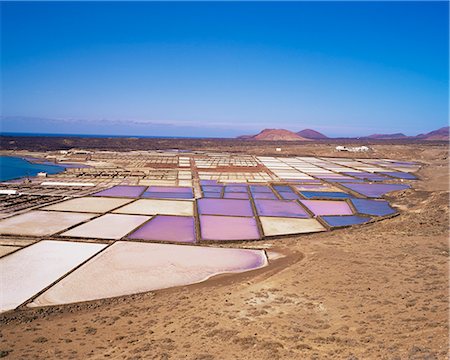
(42, 165)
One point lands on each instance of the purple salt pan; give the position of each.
(167, 228)
(306, 181)
(288, 195)
(282, 188)
(375, 190)
(236, 188)
(237, 195)
(212, 195)
(260, 188)
(229, 207)
(346, 180)
(282, 208)
(208, 182)
(316, 187)
(327, 207)
(401, 175)
(122, 191)
(367, 176)
(170, 189)
(213, 188)
(167, 195)
(264, 195)
(228, 228)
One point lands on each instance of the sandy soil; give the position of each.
(367, 292)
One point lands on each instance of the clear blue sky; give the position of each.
(224, 69)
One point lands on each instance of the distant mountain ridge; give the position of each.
(387, 136)
(311, 134)
(441, 134)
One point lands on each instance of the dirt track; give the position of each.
(372, 291)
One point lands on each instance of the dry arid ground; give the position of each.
(367, 292)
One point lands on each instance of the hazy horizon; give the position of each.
(218, 69)
(107, 128)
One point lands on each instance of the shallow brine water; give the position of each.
(16, 168)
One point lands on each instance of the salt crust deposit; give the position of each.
(109, 226)
(41, 223)
(89, 204)
(273, 226)
(161, 207)
(30, 270)
(129, 267)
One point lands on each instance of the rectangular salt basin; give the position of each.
(260, 188)
(288, 195)
(235, 195)
(158, 207)
(274, 226)
(373, 207)
(26, 272)
(170, 189)
(400, 175)
(212, 195)
(317, 187)
(367, 176)
(325, 195)
(341, 221)
(127, 268)
(327, 207)
(229, 207)
(216, 189)
(228, 228)
(122, 191)
(167, 228)
(166, 195)
(282, 188)
(88, 204)
(264, 195)
(375, 190)
(281, 208)
(109, 226)
(41, 223)
(239, 188)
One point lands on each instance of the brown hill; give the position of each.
(311, 134)
(278, 135)
(244, 137)
(439, 134)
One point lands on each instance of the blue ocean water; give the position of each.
(15, 168)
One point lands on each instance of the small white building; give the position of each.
(353, 149)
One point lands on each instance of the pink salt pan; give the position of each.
(228, 228)
(229, 207)
(326, 207)
(130, 267)
(167, 228)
